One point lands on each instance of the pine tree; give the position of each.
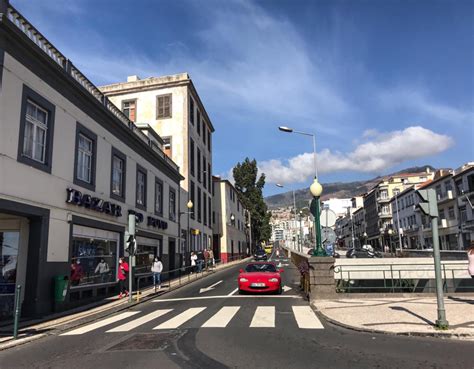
(250, 190)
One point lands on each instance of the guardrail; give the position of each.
(69, 68)
(401, 277)
(175, 278)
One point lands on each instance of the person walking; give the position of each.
(470, 258)
(211, 258)
(206, 258)
(103, 269)
(157, 268)
(76, 273)
(193, 261)
(122, 277)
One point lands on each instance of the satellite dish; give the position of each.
(327, 218)
(328, 235)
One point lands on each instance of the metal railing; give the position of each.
(54, 54)
(175, 278)
(401, 278)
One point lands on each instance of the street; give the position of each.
(207, 324)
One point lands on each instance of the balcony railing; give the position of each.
(54, 54)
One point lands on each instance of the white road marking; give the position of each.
(100, 323)
(234, 291)
(140, 321)
(306, 318)
(222, 317)
(264, 317)
(286, 288)
(233, 296)
(180, 319)
(210, 287)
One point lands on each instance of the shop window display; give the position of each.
(93, 261)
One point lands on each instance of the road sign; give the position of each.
(328, 235)
(328, 218)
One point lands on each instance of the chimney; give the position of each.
(133, 78)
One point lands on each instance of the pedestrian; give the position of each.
(122, 277)
(278, 253)
(193, 261)
(211, 258)
(206, 258)
(199, 261)
(76, 273)
(157, 268)
(103, 269)
(470, 257)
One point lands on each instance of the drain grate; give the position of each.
(147, 341)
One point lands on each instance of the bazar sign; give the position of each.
(93, 203)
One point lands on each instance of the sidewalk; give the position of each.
(35, 329)
(401, 315)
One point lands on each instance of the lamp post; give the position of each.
(189, 205)
(294, 209)
(390, 233)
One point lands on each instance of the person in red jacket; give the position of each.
(122, 277)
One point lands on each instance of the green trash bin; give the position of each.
(60, 287)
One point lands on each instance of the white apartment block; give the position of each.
(173, 108)
(229, 219)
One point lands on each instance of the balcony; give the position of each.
(383, 199)
(445, 196)
(384, 215)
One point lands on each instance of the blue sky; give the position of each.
(383, 84)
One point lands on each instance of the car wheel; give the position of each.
(241, 292)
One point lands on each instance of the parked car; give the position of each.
(366, 251)
(260, 277)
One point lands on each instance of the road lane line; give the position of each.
(264, 317)
(234, 291)
(306, 318)
(228, 296)
(140, 321)
(222, 317)
(100, 323)
(180, 319)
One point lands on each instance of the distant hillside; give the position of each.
(333, 190)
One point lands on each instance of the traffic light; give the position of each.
(429, 203)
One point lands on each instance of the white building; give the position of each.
(172, 106)
(72, 168)
(464, 187)
(338, 206)
(229, 219)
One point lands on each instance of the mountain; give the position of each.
(334, 190)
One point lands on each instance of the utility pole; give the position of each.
(131, 252)
(429, 207)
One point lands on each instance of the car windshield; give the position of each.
(260, 268)
(260, 252)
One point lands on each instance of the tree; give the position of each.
(250, 190)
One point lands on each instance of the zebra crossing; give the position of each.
(263, 317)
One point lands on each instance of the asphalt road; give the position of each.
(218, 328)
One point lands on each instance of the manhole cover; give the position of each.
(147, 341)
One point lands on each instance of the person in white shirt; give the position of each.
(193, 261)
(157, 268)
(470, 258)
(103, 269)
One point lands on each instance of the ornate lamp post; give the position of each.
(390, 233)
(316, 190)
(189, 205)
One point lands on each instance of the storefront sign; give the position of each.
(157, 223)
(93, 203)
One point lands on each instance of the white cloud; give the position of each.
(416, 100)
(382, 152)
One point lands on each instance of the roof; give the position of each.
(465, 168)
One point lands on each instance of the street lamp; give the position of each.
(189, 205)
(390, 233)
(294, 207)
(316, 190)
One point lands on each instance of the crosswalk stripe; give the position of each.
(222, 317)
(180, 319)
(264, 317)
(306, 318)
(99, 324)
(140, 321)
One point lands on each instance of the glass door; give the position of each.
(9, 245)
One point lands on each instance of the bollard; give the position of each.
(17, 311)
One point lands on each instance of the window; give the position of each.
(204, 207)
(238, 205)
(158, 197)
(448, 186)
(35, 144)
(383, 194)
(199, 204)
(209, 140)
(164, 106)
(204, 130)
(141, 188)
(193, 211)
(213, 217)
(198, 125)
(385, 209)
(199, 165)
(167, 146)
(172, 204)
(85, 158)
(209, 176)
(204, 179)
(441, 214)
(129, 108)
(191, 110)
(117, 180)
(451, 212)
(463, 214)
(459, 188)
(191, 149)
(209, 208)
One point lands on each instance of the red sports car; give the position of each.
(260, 277)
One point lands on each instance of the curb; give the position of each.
(112, 310)
(444, 335)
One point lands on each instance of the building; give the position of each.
(338, 206)
(378, 213)
(73, 167)
(464, 190)
(229, 219)
(173, 108)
